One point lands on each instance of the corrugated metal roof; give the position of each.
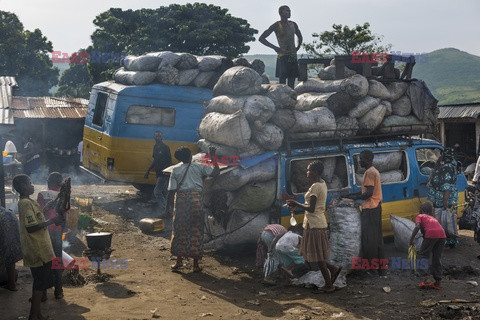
(6, 84)
(49, 107)
(467, 110)
(8, 81)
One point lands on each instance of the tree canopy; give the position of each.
(76, 80)
(345, 40)
(197, 28)
(24, 55)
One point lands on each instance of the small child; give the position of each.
(54, 184)
(36, 244)
(433, 242)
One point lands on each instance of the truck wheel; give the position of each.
(144, 188)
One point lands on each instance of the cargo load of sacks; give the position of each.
(364, 106)
(182, 69)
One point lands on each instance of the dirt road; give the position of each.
(229, 286)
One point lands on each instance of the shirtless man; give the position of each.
(285, 30)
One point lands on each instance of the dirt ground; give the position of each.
(229, 286)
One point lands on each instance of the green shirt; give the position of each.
(36, 246)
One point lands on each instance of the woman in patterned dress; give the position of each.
(186, 183)
(443, 192)
(10, 248)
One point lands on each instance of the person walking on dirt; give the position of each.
(285, 30)
(162, 159)
(371, 216)
(433, 242)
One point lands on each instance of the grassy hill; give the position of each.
(452, 75)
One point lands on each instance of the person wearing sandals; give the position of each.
(186, 185)
(433, 242)
(314, 246)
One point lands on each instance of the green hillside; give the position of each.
(452, 75)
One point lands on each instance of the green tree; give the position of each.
(24, 55)
(197, 28)
(345, 40)
(75, 81)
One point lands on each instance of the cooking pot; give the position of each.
(99, 240)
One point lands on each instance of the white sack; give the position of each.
(231, 130)
(316, 120)
(363, 106)
(385, 177)
(396, 123)
(168, 58)
(356, 86)
(167, 75)
(388, 107)
(396, 89)
(345, 232)
(141, 63)
(316, 278)
(377, 90)
(282, 95)
(209, 63)
(372, 119)
(386, 161)
(346, 127)
(203, 78)
(186, 61)
(185, 77)
(242, 228)
(269, 138)
(402, 107)
(133, 77)
(259, 66)
(402, 232)
(238, 81)
(241, 62)
(316, 85)
(254, 196)
(284, 119)
(238, 177)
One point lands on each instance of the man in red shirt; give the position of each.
(433, 242)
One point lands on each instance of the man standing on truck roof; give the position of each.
(371, 216)
(285, 30)
(162, 159)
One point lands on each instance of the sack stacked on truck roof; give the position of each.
(182, 69)
(363, 107)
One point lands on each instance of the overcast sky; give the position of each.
(410, 25)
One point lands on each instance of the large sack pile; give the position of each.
(362, 106)
(182, 69)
